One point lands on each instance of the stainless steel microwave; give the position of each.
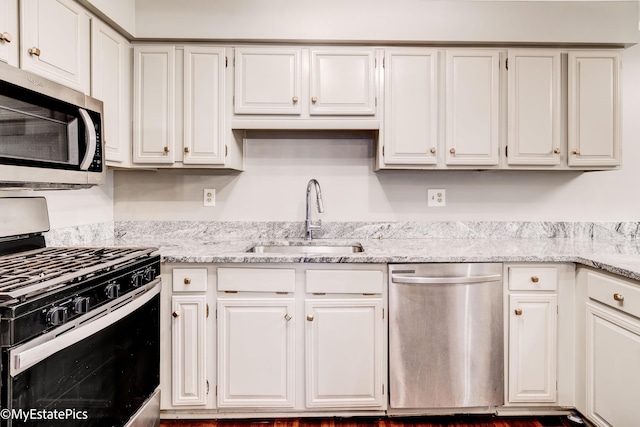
(50, 135)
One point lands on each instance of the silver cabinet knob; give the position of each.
(34, 51)
(310, 318)
(287, 317)
(6, 37)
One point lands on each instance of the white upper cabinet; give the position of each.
(204, 72)
(54, 41)
(267, 81)
(594, 108)
(293, 87)
(534, 107)
(409, 133)
(179, 108)
(153, 104)
(342, 82)
(111, 83)
(472, 107)
(9, 32)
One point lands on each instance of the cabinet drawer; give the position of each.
(617, 293)
(256, 279)
(344, 282)
(533, 278)
(190, 280)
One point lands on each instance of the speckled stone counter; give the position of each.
(609, 246)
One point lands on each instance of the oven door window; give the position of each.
(104, 378)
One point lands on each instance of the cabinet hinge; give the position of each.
(226, 150)
(207, 311)
(506, 151)
(375, 62)
(376, 101)
(216, 390)
(226, 61)
(207, 386)
(383, 150)
(216, 313)
(383, 62)
(233, 100)
(506, 62)
(234, 61)
(383, 389)
(383, 313)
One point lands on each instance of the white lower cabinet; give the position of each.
(188, 355)
(296, 339)
(533, 353)
(187, 338)
(344, 353)
(613, 350)
(256, 352)
(532, 345)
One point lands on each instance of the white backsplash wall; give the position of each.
(69, 208)
(279, 165)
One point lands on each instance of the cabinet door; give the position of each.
(204, 72)
(613, 377)
(188, 355)
(267, 81)
(153, 104)
(256, 352)
(54, 37)
(410, 106)
(534, 107)
(111, 83)
(9, 32)
(344, 363)
(532, 348)
(342, 82)
(594, 108)
(472, 106)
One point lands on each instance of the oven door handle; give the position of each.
(24, 359)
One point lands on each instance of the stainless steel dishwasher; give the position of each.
(446, 347)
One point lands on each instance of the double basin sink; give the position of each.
(306, 248)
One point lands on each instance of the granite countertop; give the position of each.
(621, 257)
(610, 246)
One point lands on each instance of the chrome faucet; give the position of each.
(308, 225)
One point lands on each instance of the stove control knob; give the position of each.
(149, 274)
(112, 290)
(57, 316)
(81, 305)
(137, 279)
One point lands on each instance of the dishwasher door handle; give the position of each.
(419, 280)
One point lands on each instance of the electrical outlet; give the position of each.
(209, 197)
(436, 197)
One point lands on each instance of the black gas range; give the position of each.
(43, 289)
(79, 331)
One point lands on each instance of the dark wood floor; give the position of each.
(443, 421)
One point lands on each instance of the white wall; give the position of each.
(75, 207)
(398, 20)
(277, 170)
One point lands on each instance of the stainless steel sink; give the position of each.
(307, 249)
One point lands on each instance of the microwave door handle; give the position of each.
(92, 139)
